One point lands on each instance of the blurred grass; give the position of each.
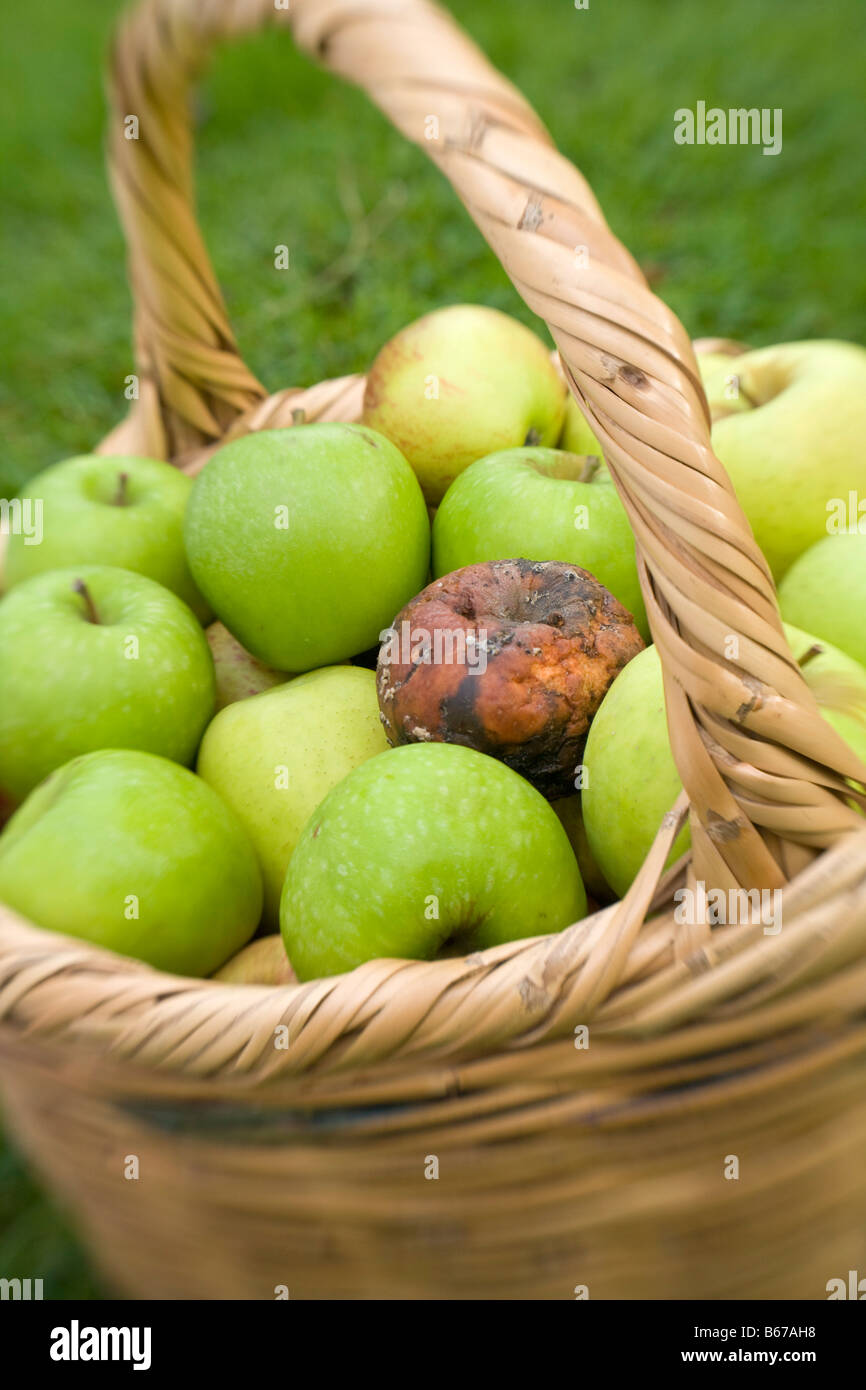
(739, 244)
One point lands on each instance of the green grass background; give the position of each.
(739, 244)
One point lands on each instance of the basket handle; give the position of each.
(764, 772)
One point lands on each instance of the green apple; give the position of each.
(307, 541)
(838, 683)
(97, 657)
(631, 777)
(540, 504)
(825, 592)
(427, 850)
(791, 439)
(571, 816)
(458, 384)
(125, 512)
(238, 674)
(135, 854)
(274, 757)
(577, 436)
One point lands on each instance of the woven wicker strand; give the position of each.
(564, 1166)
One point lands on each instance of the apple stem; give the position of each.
(590, 468)
(81, 588)
(815, 650)
(120, 498)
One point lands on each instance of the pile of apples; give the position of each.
(151, 625)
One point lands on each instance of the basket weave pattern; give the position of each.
(559, 1166)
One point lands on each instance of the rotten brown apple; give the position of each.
(512, 658)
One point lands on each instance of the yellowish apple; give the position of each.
(460, 383)
(790, 432)
(272, 758)
(263, 962)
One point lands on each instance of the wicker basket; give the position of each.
(606, 1168)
